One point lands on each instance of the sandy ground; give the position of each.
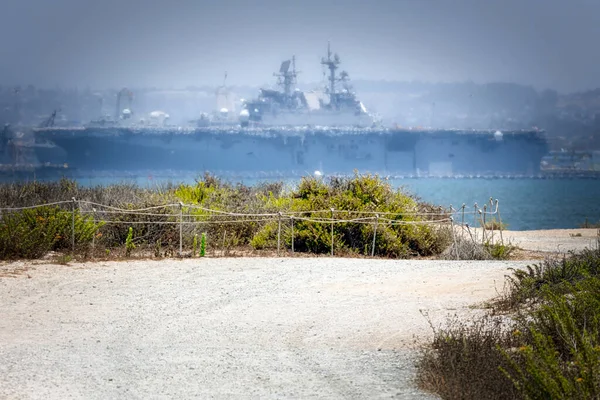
(228, 327)
(556, 240)
(237, 327)
(538, 244)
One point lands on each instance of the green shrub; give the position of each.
(266, 237)
(215, 194)
(358, 196)
(561, 354)
(548, 349)
(526, 285)
(499, 251)
(129, 246)
(31, 233)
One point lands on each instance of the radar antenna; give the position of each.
(287, 78)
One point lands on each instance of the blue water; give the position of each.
(525, 204)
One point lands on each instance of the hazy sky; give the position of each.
(176, 43)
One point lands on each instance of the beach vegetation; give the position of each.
(540, 339)
(362, 210)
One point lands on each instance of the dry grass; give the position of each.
(540, 338)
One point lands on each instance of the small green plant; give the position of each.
(129, 246)
(157, 249)
(203, 245)
(499, 251)
(107, 252)
(525, 285)
(64, 259)
(194, 245)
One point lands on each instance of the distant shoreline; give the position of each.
(59, 171)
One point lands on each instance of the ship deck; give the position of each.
(274, 130)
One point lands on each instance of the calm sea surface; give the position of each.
(525, 204)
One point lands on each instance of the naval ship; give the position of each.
(287, 132)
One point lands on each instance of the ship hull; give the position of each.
(297, 151)
(316, 118)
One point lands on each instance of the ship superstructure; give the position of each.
(290, 106)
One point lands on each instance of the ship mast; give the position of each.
(287, 78)
(332, 64)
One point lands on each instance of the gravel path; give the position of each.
(227, 327)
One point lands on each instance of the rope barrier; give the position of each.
(36, 206)
(185, 217)
(125, 210)
(141, 211)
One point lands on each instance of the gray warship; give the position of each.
(284, 132)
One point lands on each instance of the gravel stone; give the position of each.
(229, 327)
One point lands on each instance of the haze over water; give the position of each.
(155, 43)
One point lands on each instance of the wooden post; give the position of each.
(499, 221)
(332, 210)
(374, 235)
(278, 232)
(475, 220)
(292, 219)
(180, 229)
(483, 225)
(454, 238)
(94, 235)
(73, 225)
